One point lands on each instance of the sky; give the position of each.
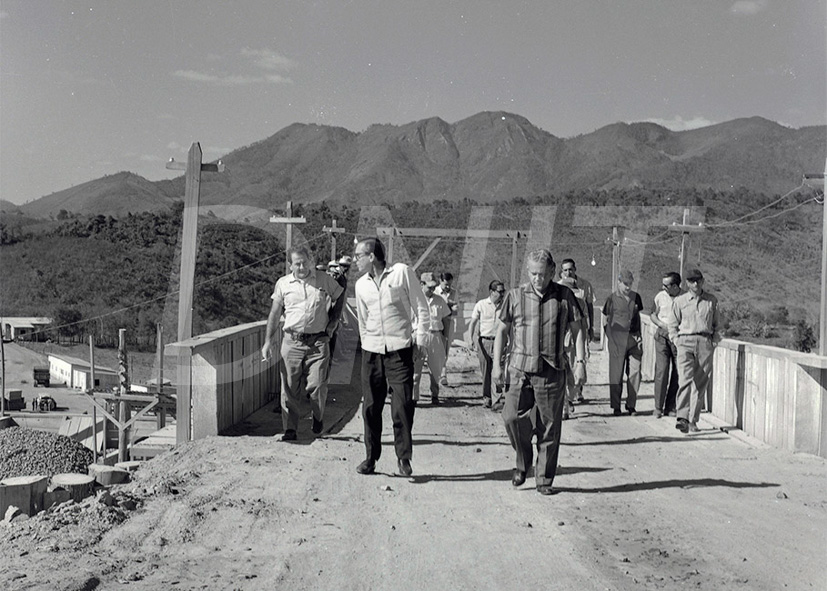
(92, 88)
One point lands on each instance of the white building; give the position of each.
(25, 327)
(76, 373)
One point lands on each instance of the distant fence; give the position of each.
(776, 395)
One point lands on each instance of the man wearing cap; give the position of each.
(621, 323)
(449, 294)
(311, 303)
(666, 354)
(483, 329)
(694, 327)
(430, 338)
(535, 316)
(390, 305)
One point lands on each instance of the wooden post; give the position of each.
(333, 230)
(685, 229)
(617, 236)
(513, 277)
(159, 338)
(94, 410)
(123, 389)
(289, 221)
(2, 374)
(189, 243)
(822, 324)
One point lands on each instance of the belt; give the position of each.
(436, 331)
(305, 336)
(487, 338)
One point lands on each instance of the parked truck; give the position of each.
(41, 376)
(15, 400)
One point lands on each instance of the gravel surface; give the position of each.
(28, 452)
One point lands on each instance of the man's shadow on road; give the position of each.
(674, 483)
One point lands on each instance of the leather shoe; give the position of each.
(318, 426)
(435, 400)
(617, 412)
(366, 467)
(631, 410)
(289, 435)
(405, 467)
(486, 402)
(693, 428)
(682, 425)
(658, 413)
(545, 489)
(517, 477)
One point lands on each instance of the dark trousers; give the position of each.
(534, 406)
(485, 355)
(380, 372)
(625, 353)
(666, 373)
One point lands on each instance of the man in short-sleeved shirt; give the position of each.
(536, 316)
(694, 327)
(448, 292)
(430, 338)
(666, 354)
(621, 322)
(483, 330)
(311, 303)
(390, 304)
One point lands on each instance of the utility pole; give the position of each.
(617, 250)
(289, 221)
(818, 180)
(333, 230)
(189, 244)
(685, 229)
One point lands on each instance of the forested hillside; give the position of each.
(98, 274)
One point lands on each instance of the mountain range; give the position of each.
(488, 157)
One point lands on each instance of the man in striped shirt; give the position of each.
(535, 316)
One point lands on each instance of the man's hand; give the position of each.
(579, 372)
(265, 351)
(497, 375)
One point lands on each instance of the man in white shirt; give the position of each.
(430, 338)
(666, 354)
(483, 329)
(389, 304)
(448, 292)
(311, 302)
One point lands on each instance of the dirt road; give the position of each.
(640, 506)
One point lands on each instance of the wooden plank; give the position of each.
(810, 410)
(204, 411)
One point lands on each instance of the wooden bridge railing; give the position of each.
(776, 395)
(227, 379)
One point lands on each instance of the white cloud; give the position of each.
(268, 59)
(678, 123)
(4, 14)
(749, 7)
(230, 79)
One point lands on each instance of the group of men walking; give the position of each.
(531, 342)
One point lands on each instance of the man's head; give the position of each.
(368, 251)
(671, 283)
(300, 262)
(428, 283)
(446, 279)
(496, 290)
(344, 264)
(625, 279)
(695, 281)
(333, 269)
(568, 269)
(540, 269)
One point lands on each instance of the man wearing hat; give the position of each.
(621, 322)
(694, 327)
(431, 337)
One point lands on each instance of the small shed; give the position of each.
(25, 328)
(76, 373)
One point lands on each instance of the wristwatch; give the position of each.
(580, 361)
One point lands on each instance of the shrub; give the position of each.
(803, 337)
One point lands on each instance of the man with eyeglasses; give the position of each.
(483, 329)
(430, 338)
(311, 302)
(621, 323)
(390, 305)
(666, 354)
(694, 327)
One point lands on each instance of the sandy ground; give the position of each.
(640, 506)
